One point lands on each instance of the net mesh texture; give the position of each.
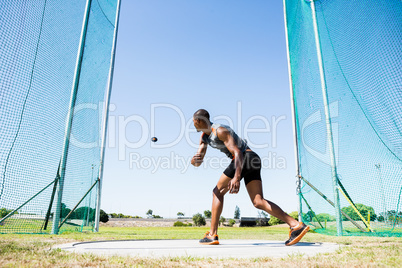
(360, 43)
(39, 42)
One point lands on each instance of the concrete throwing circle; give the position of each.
(186, 248)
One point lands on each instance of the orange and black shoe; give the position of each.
(297, 233)
(209, 239)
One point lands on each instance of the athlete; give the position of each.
(245, 164)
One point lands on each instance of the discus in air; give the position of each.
(154, 139)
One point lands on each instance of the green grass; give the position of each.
(379, 229)
(10, 225)
(34, 250)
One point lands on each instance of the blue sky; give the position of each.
(174, 57)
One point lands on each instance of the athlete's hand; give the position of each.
(234, 186)
(196, 160)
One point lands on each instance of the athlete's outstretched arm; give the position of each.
(224, 135)
(199, 156)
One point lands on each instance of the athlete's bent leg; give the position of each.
(217, 202)
(254, 189)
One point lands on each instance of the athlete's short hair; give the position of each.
(202, 114)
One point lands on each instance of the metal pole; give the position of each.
(26, 202)
(328, 124)
(332, 203)
(56, 219)
(309, 207)
(105, 118)
(89, 199)
(49, 209)
(296, 147)
(79, 202)
(378, 166)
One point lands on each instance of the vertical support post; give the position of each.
(105, 119)
(384, 203)
(328, 124)
(294, 121)
(89, 199)
(70, 115)
(49, 210)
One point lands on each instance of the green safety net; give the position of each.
(40, 44)
(360, 44)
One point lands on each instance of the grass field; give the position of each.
(23, 250)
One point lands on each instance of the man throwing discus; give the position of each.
(245, 164)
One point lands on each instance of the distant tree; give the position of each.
(394, 216)
(322, 217)
(262, 214)
(263, 219)
(157, 217)
(363, 209)
(399, 217)
(149, 213)
(121, 216)
(391, 213)
(222, 220)
(294, 215)
(237, 213)
(199, 220)
(180, 214)
(179, 224)
(82, 213)
(309, 216)
(103, 216)
(380, 218)
(232, 222)
(274, 221)
(64, 210)
(207, 214)
(4, 212)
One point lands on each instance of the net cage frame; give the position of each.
(20, 205)
(357, 218)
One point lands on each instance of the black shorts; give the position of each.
(251, 167)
